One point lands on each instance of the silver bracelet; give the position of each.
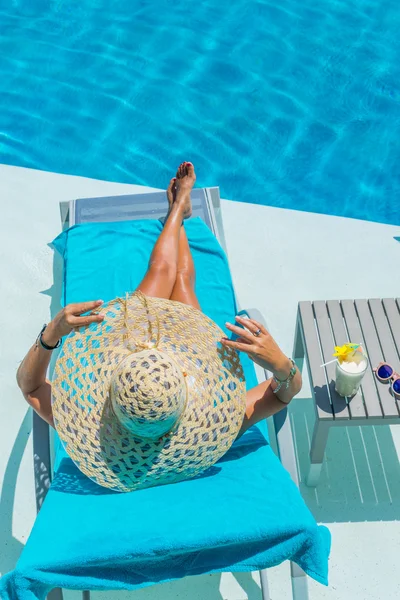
(285, 382)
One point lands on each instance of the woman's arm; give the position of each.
(260, 346)
(261, 402)
(31, 379)
(31, 374)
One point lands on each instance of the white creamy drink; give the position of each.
(349, 373)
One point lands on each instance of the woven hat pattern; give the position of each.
(95, 358)
(148, 393)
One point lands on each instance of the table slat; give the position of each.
(356, 403)
(385, 338)
(384, 333)
(369, 388)
(318, 380)
(339, 404)
(375, 355)
(393, 315)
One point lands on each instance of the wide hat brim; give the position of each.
(93, 436)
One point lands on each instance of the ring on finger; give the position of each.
(257, 333)
(250, 325)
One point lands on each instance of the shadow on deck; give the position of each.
(360, 478)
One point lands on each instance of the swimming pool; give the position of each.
(290, 103)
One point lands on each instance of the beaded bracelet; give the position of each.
(286, 381)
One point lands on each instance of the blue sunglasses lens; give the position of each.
(384, 372)
(396, 386)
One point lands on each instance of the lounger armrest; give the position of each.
(281, 422)
(284, 437)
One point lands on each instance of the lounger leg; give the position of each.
(264, 585)
(55, 594)
(86, 595)
(298, 347)
(317, 451)
(299, 582)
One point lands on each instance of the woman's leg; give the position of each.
(160, 278)
(183, 290)
(161, 272)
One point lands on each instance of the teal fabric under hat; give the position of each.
(243, 514)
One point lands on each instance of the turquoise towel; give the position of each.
(243, 514)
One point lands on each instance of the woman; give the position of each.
(170, 276)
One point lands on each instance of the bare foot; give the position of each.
(180, 187)
(186, 177)
(185, 180)
(171, 193)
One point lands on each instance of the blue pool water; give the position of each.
(292, 103)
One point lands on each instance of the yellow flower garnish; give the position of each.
(342, 352)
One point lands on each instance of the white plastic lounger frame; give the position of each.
(207, 205)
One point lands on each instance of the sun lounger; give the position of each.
(84, 536)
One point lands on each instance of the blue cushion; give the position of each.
(243, 514)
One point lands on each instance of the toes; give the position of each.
(171, 185)
(190, 169)
(185, 169)
(171, 191)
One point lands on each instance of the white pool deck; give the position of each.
(277, 257)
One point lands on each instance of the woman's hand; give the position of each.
(70, 318)
(260, 346)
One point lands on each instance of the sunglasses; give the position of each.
(385, 373)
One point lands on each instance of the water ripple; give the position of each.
(304, 97)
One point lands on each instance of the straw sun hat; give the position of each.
(148, 396)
